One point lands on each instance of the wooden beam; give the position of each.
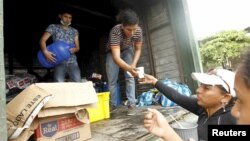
(3, 127)
(88, 11)
(86, 27)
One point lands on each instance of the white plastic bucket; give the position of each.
(187, 131)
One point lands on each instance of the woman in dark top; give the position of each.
(212, 105)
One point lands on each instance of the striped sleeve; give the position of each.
(115, 36)
(138, 35)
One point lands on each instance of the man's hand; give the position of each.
(73, 50)
(133, 72)
(50, 57)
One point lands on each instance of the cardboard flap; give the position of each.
(27, 99)
(82, 116)
(22, 110)
(69, 93)
(26, 134)
(62, 110)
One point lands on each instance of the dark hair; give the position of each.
(63, 10)
(245, 67)
(214, 72)
(223, 90)
(128, 17)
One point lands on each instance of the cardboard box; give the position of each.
(22, 110)
(69, 94)
(68, 98)
(62, 128)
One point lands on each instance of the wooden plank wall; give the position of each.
(163, 44)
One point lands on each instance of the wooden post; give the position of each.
(3, 129)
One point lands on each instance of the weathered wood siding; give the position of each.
(162, 43)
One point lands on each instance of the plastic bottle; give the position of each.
(105, 87)
(61, 51)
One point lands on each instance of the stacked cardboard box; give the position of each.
(54, 111)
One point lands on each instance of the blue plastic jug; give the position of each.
(61, 51)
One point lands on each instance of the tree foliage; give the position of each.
(223, 47)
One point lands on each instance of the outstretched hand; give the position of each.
(148, 79)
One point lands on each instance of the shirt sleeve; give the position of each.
(51, 29)
(189, 103)
(115, 37)
(76, 32)
(139, 35)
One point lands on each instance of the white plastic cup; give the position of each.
(140, 71)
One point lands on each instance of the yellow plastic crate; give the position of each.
(102, 108)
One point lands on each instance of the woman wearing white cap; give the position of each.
(212, 105)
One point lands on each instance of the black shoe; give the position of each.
(112, 108)
(131, 110)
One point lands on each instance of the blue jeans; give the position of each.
(69, 67)
(112, 70)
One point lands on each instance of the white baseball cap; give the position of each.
(221, 77)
